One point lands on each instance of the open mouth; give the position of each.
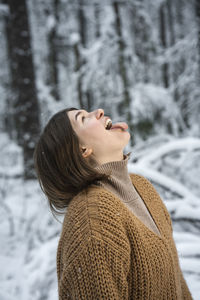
(110, 126)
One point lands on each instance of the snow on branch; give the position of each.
(166, 182)
(146, 167)
(186, 144)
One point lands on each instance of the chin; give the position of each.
(128, 136)
(126, 141)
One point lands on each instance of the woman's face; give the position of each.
(104, 145)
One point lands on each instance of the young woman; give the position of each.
(116, 241)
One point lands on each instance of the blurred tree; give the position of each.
(9, 116)
(163, 40)
(144, 48)
(87, 94)
(25, 103)
(169, 5)
(197, 8)
(52, 38)
(171, 19)
(97, 19)
(124, 105)
(197, 96)
(179, 8)
(77, 68)
(176, 64)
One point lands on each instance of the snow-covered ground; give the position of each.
(29, 234)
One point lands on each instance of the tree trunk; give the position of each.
(172, 41)
(171, 21)
(52, 76)
(198, 35)
(88, 95)
(77, 68)
(165, 67)
(82, 23)
(179, 17)
(180, 34)
(97, 20)
(25, 103)
(9, 116)
(142, 43)
(124, 106)
(181, 94)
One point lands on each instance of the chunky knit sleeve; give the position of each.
(95, 262)
(95, 273)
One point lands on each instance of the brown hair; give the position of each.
(60, 167)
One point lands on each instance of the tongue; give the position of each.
(121, 125)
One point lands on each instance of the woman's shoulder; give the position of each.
(93, 199)
(94, 202)
(140, 179)
(143, 185)
(94, 212)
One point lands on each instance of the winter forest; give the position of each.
(139, 60)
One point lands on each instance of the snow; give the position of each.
(29, 253)
(186, 144)
(4, 9)
(149, 96)
(165, 181)
(74, 38)
(186, 211)
(51, 23)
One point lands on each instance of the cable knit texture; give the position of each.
(106, 252)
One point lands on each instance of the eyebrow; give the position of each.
(78, 113)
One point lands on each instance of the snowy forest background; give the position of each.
(139, 60)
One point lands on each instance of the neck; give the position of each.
(120, 181)
(114, 157)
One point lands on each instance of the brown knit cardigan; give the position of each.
(106, 252)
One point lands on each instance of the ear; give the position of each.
(86, 152)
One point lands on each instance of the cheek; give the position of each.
(93, 133)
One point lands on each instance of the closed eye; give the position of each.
(82, 119)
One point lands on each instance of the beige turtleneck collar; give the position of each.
(120, 184)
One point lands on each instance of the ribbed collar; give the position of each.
(119, 181)
(120, 184)
(114, 166)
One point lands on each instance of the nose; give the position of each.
(99, 113)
